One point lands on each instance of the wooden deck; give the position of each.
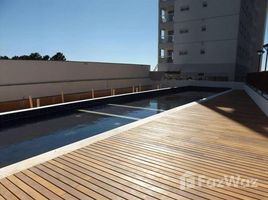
(224, 136)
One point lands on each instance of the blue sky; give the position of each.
(84, 30)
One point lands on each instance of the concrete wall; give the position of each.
(20, 79)
(217, 84)
(234, 31)
(214, 8)
(258, 99)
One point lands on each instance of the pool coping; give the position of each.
(42, 158)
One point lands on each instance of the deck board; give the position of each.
(225, 136)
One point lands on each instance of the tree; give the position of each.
(4, 58)
(24, 57)
(46, 57)
(35, 56)
(58, 57)
(15, 58)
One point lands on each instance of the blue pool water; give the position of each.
(23, 141)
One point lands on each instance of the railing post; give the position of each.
(133, 89)
(92, 93)
(37, 102)
(31, 101)
(62, 97)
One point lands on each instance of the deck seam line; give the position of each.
(236, 192)
(68, 158)
(56, 186)
(139, 173)
(64, 160)
(68, 184)
(132, 179)
(78, 171)
(49, 166)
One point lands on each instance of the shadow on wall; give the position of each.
(239, 107)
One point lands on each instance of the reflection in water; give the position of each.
(23, 141)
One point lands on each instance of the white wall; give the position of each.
(218, 84)
(214, 8)
(20, 79)
(21, 72)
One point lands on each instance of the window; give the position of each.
(185, 30)
(185, 8)
(205, 4)
(202, 51)
(162, 34)
(183, 52)
(162, 53)
(203, 28)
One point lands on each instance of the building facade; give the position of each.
(211, 39)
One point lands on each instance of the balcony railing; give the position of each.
(167, 39)
(167, 2)
(166, 60)
(167, 18)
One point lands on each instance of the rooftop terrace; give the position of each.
(225, 136)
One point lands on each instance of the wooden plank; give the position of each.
(106, 184)
(56, 190)
(224, 136)
(6, 193)
(15, 190)
(38, 187)
(27, 189)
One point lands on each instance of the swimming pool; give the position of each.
(24, 139)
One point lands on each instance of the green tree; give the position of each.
(4, 58)
(35, 56)
(15, 58)
(24, 57)
(58, 57)
(46, 57)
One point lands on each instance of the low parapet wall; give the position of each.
(259, 99)
(21, 79)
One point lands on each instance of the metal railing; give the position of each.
(167, 2)
(166, 60)
(167, 18)
(167, 39)
(259, 81)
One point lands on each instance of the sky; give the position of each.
(123, 31)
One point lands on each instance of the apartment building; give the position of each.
(211, 39)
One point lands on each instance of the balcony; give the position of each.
(167, 3)
(167, 39)
(167, 18)
(166, 60)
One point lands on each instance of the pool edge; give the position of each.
(42, 158)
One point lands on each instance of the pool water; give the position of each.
(23, 141)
